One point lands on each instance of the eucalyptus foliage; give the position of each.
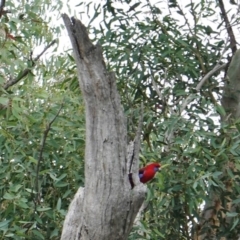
(41, 166)
(159, 52)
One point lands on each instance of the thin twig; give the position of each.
(186, 102)
(217, 68)
(2, 11)
(44, 50)
(40, 159)
(196, 49)
(2, 5)
(156, 88)
(233, 42)
(25, 72)
(160, 95)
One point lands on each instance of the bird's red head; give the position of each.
(156, 166)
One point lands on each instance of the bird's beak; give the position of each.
(163, 166)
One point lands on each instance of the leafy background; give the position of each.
(159, 52)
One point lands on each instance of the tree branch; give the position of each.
(217, 68)
(233, 42)
(26, 71)
(40, 158)
(2, 5)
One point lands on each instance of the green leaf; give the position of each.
(38, 234)
(59, 203)
(4, 224)
(4, 101)
(8, 196)
(43, 209)
(231, 214)
(15, 188)
(236, 201)
(235, 222)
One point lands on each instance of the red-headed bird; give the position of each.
(148, 172)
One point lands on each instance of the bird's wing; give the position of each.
(141, 172)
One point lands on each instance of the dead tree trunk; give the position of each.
(106, 207)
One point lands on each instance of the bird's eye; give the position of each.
(156, 169)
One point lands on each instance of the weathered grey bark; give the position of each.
(231, 104)
(231, 96)
(107, 206)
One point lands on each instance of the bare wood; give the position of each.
(109, 206)
(233, 42)
(217, 68)
(231, 97)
